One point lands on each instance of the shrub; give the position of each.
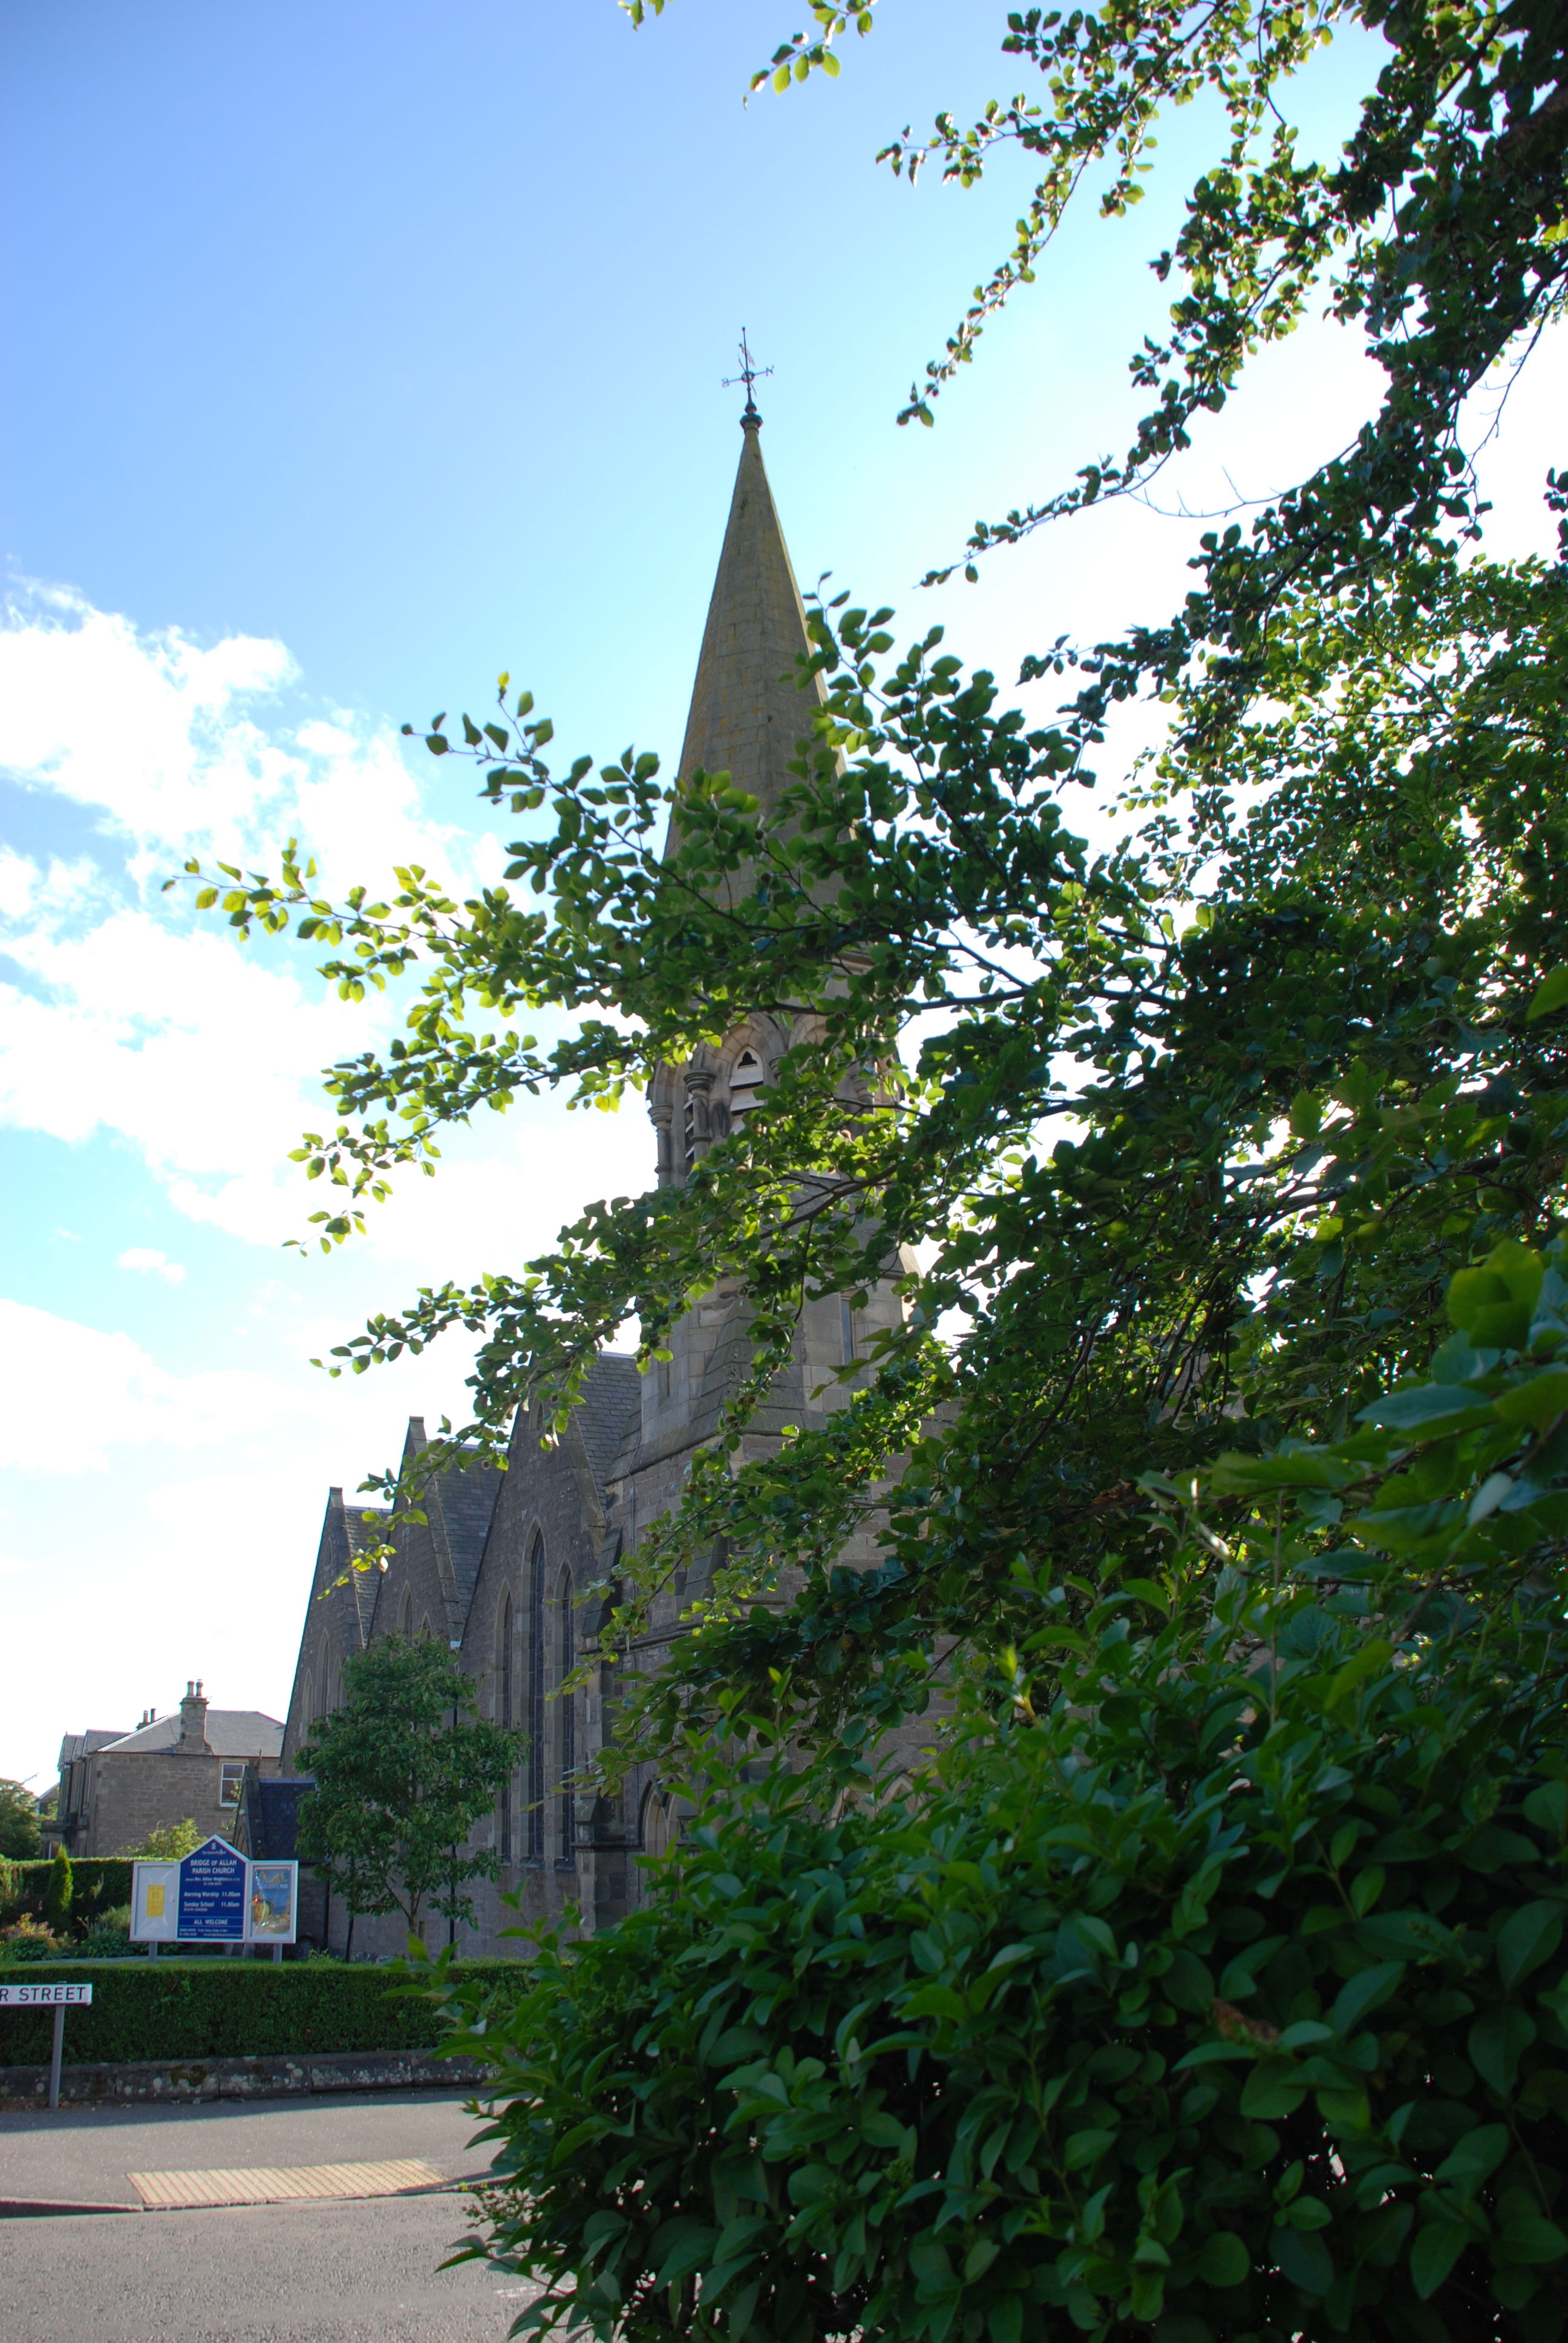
(167, 1844)
(1198, 2007)
(28, 1939)
(99, 1884)
(57, 1893)
(109, 1937)
(179, 2009)
(1211, 1982)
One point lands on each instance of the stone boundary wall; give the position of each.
(187, 2082)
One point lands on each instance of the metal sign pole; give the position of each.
(56, 2054)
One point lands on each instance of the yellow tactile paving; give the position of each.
(278, 2184)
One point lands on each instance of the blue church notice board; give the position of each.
(212, 1895)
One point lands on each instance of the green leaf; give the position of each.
(1233, 1474)
(1527, 2237)
(1304, 2259)
(1498, 2041)
(1429, 1407)
(1367, 1991)
(1437, 2247)
(1531, 1936)
(1086, 2147)
(1225, 2260)
(1550, 994)
(1478, 2153)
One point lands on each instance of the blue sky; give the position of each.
(360, 351)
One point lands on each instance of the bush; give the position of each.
(28, 1940)
(57, 1893)
(168, 1843)
(1223, 1995)
(99, 1884)
(176, 2009)
(109, 1937)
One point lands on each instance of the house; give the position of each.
(187, 1767)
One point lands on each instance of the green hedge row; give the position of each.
(100, 1883)
(171, 2008)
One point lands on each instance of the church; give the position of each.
(501, 1565)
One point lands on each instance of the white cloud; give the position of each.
(152, 1263)
(129, 1013)
(70, 1394)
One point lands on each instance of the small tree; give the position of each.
(18, 1822)
(400, 1781)
(168, 1843)
(58, 1893)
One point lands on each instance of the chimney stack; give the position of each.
(193, 1718)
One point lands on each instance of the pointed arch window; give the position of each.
(565, 1729)
(506, 1696)
(406, 1612)
(538, 1628)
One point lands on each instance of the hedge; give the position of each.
(100, 1883)
(172, 2008)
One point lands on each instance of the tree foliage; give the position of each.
(1208, 1981)
(169, 1842)
(400, 1781)
(57, 1894)
(19, 1837)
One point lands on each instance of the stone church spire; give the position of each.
(748, 714)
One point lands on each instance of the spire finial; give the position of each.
(751, 374)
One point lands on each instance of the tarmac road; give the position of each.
(333, 2271)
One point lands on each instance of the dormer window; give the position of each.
(745, 1081)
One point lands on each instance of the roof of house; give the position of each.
(82, 1744)
(230, 1732)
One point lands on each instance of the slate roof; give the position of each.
(458, 1505)
(230, 1732)
(345, 1533)
(82, 1745)
(609, 1401)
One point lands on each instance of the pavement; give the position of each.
(332, 2271)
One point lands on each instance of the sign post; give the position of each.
(213, 1895)
(59, 1998)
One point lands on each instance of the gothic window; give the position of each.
(567, 1736)
(505, 1718)
(535, 1720)
(657, 1833)
(745, 1080)
(406, 1612)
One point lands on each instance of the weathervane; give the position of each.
(751, 374)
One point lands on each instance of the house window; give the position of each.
(231, 1781)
